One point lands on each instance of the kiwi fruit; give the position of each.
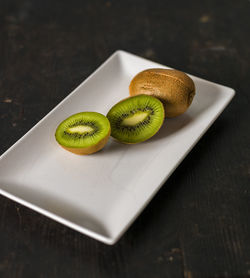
(174, 88)
(83, 133)
(136, 119)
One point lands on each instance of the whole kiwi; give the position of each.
(174, 88)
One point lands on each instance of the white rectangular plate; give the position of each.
(100, 195)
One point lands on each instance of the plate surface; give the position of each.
(101, 195)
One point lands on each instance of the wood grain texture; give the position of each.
(198, 224)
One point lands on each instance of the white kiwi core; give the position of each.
(80, 129)
(135, 118)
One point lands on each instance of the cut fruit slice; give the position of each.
(83, 133)
(136, 119)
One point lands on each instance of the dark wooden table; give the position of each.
(198, 225)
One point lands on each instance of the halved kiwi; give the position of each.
(136, 119)
(83, 133)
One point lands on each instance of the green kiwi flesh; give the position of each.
(136, 119)
(83, 133)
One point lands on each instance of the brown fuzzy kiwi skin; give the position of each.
(91, 149)
(174, 88)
